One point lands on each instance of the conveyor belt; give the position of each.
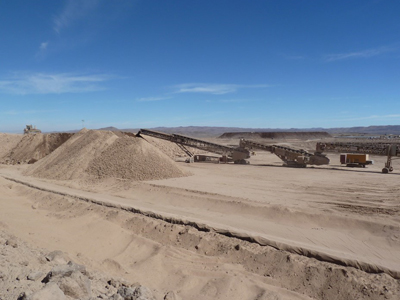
(235, 153)
(289, 156)
(271, 148)
(369, 148)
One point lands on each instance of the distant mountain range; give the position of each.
(205, 131)
(208, 131)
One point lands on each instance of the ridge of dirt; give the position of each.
(7, 143)
(33, 147)
(312, 254)
(295, 273)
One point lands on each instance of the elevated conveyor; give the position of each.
(238, 155)
(290, 157)
(367, 148)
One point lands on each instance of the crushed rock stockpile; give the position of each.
(32, 147)
(105, 154)
(276, 135)
(71, 159)
(133, 158)
(7, 143)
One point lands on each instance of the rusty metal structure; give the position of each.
(290, 157)
(237, 155)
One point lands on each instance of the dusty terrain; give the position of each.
(207, 231)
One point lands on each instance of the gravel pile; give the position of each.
(133, 158)
(72, 159)
(103, 154)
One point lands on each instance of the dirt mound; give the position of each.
(103, 154)
(35, 146)
(7, 143)
(71, 159)
(276, 135)
(133, 158)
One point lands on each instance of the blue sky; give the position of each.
(143, 63)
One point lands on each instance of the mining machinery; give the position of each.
(290, 157)
(237, 155)
(31, 129)
(390, 150)
(355, 160)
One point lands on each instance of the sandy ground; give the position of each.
(306, 225)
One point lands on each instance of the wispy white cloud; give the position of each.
(360, 54)
(41, 53)
(40, 83)
(216, 89)
(43, 46)
(73, 11)
(149, 99)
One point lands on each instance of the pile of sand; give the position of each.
(34, 146)
(7, 143)
(133, 158)
(71, 159)
(92, 154)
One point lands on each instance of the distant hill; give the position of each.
(210, 131)
(111, 128)
(277, 135)
(379, 130)
(205, 131)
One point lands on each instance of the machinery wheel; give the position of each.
(385, 170)
(391, 169)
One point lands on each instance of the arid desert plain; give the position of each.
(136, 217)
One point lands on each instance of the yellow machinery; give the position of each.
(391, 150)
(355, 159)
